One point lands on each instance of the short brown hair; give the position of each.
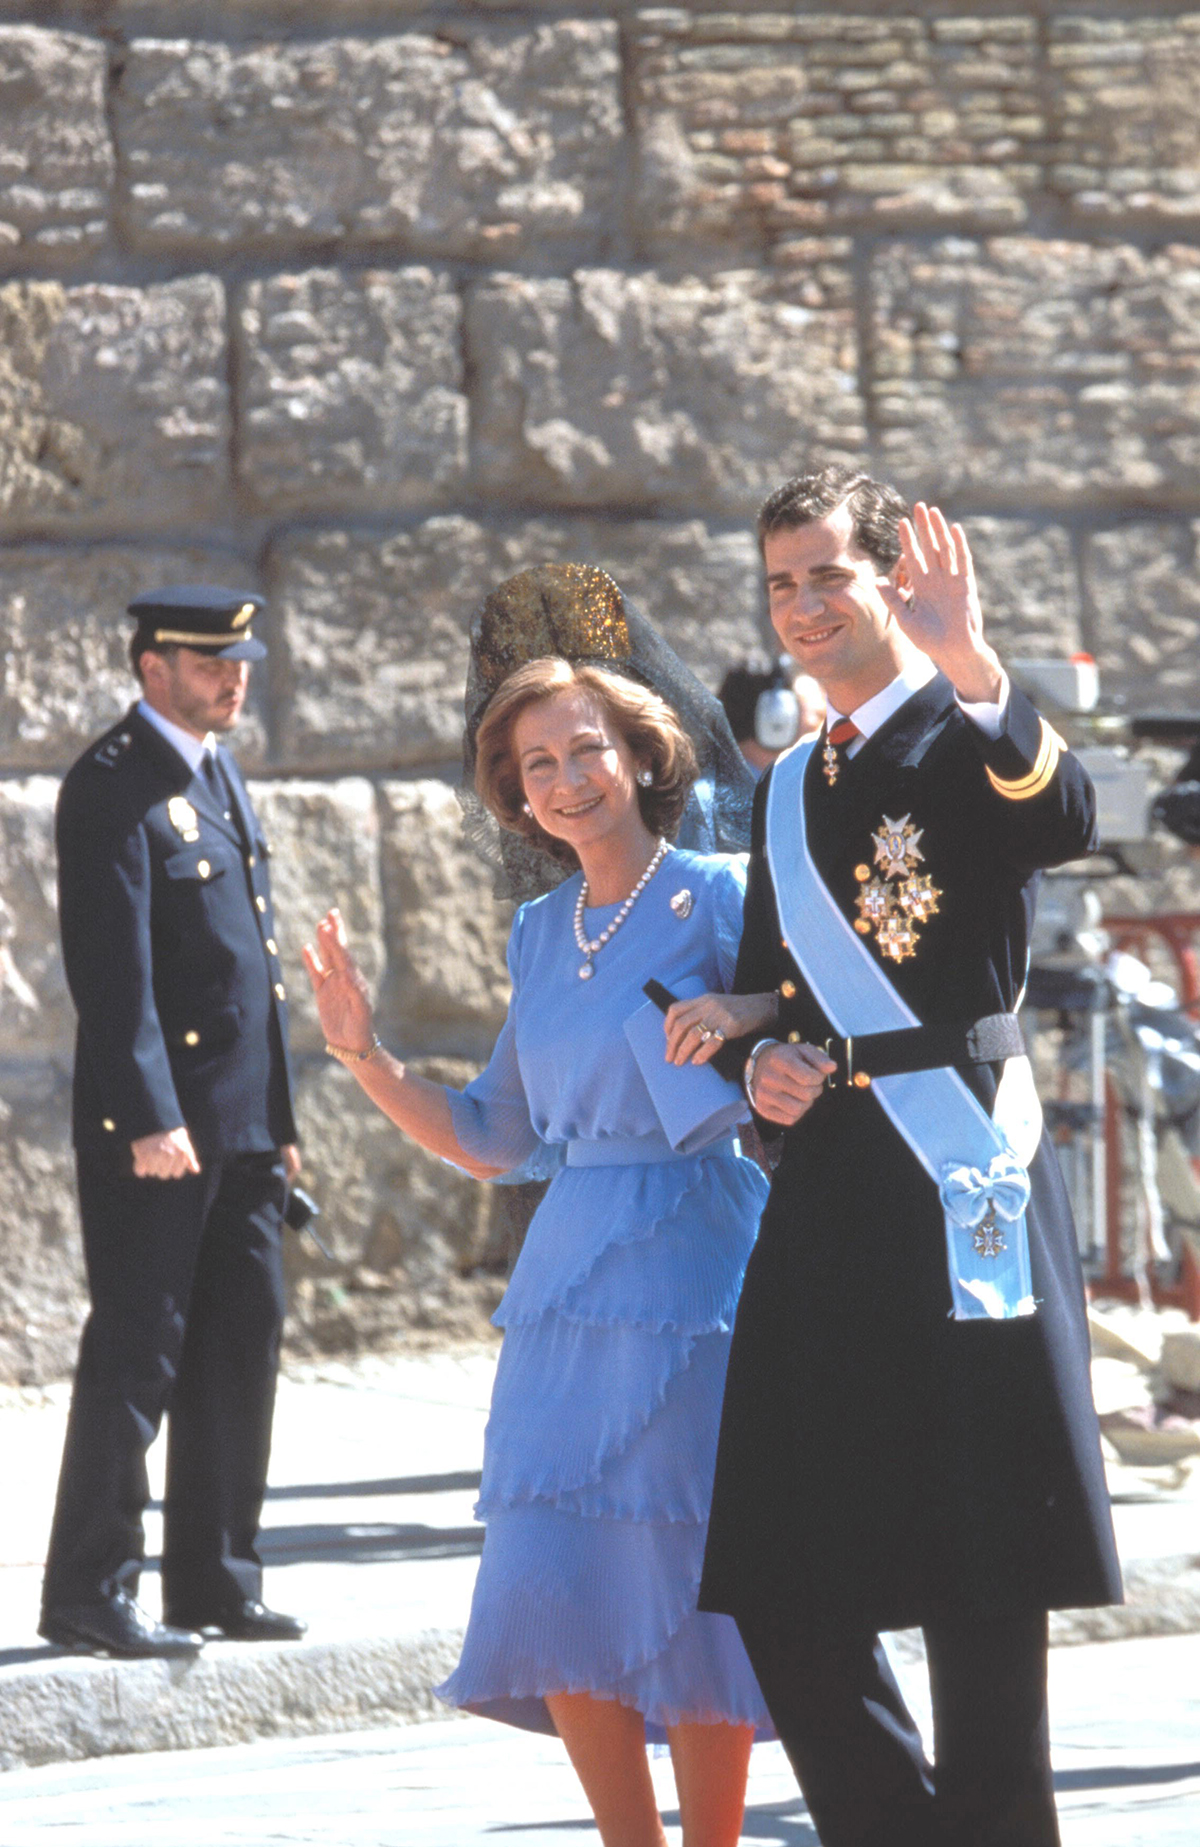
(876, 509)
(648, 725)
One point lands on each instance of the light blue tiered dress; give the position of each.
(600, 1448)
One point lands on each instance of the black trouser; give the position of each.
(186, 1282)
(857, 1753)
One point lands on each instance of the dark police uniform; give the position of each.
(170, 954)
(882, 1465)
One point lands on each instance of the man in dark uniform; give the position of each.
(892, 1455)
(185, 1146)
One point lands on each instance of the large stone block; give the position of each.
(113, 405)
(1038, 370)
(403, 1226)
(637, 391)
(56, 159)
(324, 841)
(1125, 90)
(64, 665)
(1141, 582)
(752, 125)
(1028, 586)
(35, 1009)
(376, 628)
(351, 389)
(471, 139)
(43, 1296)
(447, 979)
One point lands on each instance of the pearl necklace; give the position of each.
(589, 949)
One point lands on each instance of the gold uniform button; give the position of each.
(192, 1038)
(793, 1038)
(250, 860)
(261, 903)
(862, 926)
(203, 868)
(109, 1125)
(272, 946)
(788, 990)
(862, 872)
(861, 1080)
(280, 991)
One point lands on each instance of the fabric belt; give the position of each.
(988, 1041)
(641, 1150)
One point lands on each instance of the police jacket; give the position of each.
(170, 953)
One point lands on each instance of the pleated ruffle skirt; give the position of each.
(600, 1450)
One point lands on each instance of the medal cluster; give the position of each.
(894, 898)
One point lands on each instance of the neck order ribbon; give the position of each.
(982, 1185)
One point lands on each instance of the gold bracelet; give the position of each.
(345, 1056)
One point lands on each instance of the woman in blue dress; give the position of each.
(601, 1442)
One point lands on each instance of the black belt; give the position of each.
(925, 1048)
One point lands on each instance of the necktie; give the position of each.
(214, 780)
(835, 738)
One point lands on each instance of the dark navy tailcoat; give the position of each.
(878, 1459)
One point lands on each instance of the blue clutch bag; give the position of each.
(693, 1103)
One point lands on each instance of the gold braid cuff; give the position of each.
(1023, 788)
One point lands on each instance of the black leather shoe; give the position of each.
(116, 1626)
(249, 1622)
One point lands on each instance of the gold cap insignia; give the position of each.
(243, 615)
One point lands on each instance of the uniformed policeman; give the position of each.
(185, 1146)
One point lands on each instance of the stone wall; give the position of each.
(367, 303)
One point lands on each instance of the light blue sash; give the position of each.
(983, 1186)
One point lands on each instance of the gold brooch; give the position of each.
(895, 898)
(183, 818)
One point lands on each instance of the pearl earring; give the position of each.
(645, 778)
(526, 809)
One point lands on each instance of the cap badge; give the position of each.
(682, 903)
(243, 615)
(183, 818)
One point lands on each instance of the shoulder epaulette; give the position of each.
(113, 750)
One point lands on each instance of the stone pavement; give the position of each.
(1126, 1725)
(368, 1533)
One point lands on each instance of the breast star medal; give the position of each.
(893, 897)
(682, 902)
(183, 818)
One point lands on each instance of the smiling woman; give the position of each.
(558, 737)
(602, 1436)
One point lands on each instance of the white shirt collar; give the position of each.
(917, 672)
(192, 749)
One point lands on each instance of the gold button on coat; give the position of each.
(861, 1080)
(862, 872)
(203, 868)
(109, 1124)
(192, 1038)
(261, 903)
(793, 1038)
(272, 946)
(250, 860)
(280, 991)
(787, 989)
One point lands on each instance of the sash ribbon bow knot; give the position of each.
(970, 1193)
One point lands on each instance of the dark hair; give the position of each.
(141, 643)
(875, 508)
(646, 722)
(739, 693)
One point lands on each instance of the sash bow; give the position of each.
(969, 1193)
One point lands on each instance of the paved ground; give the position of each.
(1127, 1762)
(369, 1534)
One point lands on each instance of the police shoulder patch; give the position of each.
(113, 750)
